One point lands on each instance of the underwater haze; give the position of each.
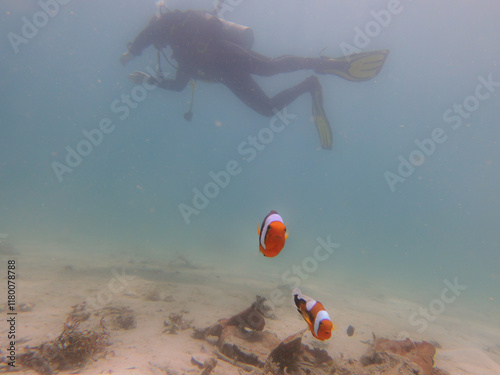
(409, 193)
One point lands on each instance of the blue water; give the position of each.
(440, 223)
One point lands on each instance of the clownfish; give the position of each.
(314, 314)
(272, 235)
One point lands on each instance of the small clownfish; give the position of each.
(314, 314)
(272, 235)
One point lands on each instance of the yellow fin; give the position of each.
(356, 67)
(320, 119)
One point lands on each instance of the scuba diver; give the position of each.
(209, 48)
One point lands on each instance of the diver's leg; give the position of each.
(266, 66)
(250, 93)
(238, 59)
(357, 67)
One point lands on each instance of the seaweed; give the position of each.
(74, 346)
(71, 350)
(78, 314)
(152, 294)
(176, 323)
(124, 320)
(120, 317)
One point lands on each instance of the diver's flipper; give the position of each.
(356, 67)
(320, 119)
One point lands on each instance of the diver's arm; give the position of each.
(145, 38)
(178, 84)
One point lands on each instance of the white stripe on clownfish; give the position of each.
(310, 304)
(321, 315)
(268, 220)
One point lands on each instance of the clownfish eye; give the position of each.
(269, 226)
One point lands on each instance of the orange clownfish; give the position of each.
(314, 314)
(272, 235)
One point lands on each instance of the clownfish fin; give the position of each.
(258, 229)
(286, 235)
(300, 296)
(301, 309)
(307, 318)
(300, 302)
(296, 292)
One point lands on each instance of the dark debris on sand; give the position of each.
(85, 337)
(407, 353)
(71, 350)
(114, 317)
(243, 342)
(176, 323)
(261, 306)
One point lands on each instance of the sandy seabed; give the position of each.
(49, 281)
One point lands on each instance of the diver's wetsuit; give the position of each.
(204, 52)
